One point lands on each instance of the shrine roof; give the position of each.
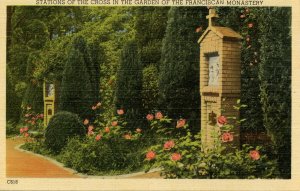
(222, 32)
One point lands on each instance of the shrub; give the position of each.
(129, 85)
(79, 87)
(179, 68)
(104, 156)
(183, 156)
(62, 126)
(150, 88)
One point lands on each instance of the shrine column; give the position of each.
(220, 77)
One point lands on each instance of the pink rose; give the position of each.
(127, 136)
(114, 123)
(250, 25)
(149, 117)
(150, 155)
(98, 137)
(21, 130)
(221, 120)
(86, 122)
(41, 116)
(168, 145)
(25, 129)
(158, 115)
(90, 133)
(26, 134)
(120, 111)
(90, 128)
(138, 130)
(106, 130)
(176, 157)
(98, 104)
(198, 29)
(27, 115)
(227, 137)
(180, 123)
(254, 154)
(94, 108)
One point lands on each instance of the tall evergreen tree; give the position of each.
(76, 93)
(275, 81)
(129, 85)
(179, 71)
(150, 26)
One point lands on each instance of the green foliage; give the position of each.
(76, 92)
(101, 157)
(62, 126)
(150, 88)
(179, 71)
(129, 85)
(150, 27)
(238, 19)
(275, 81)
(11, 128)
(109, 148)
(184, 156)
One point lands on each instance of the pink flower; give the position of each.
(158, 115)
(86, 121)
(98, 104)
(198, 29)
(254, 154)
(27, 115)
(138, 130)
(221, 120)
(94, 108)
(106, 130)
(114, 123)
(149, 117)
(242, 16)
(169, 145)
(227, 137)
(150, 155)
(25, 129)
(127, 136)
(90, 133)
(120, 111)
(26, 134)
(21, 130)
(41, 116)
(250, 25)
(90, 128)
(180, 123)
(98, 137)
(176, 157)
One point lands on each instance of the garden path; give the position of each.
(26, 165)
(23, 164)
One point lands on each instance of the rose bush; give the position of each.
(183, 156)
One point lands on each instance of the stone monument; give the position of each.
(220, 76)
(50, 100)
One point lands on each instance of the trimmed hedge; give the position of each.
(62, 126)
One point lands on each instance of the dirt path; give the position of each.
(26, 165)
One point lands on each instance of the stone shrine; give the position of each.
(220, 76)
(50, 100)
